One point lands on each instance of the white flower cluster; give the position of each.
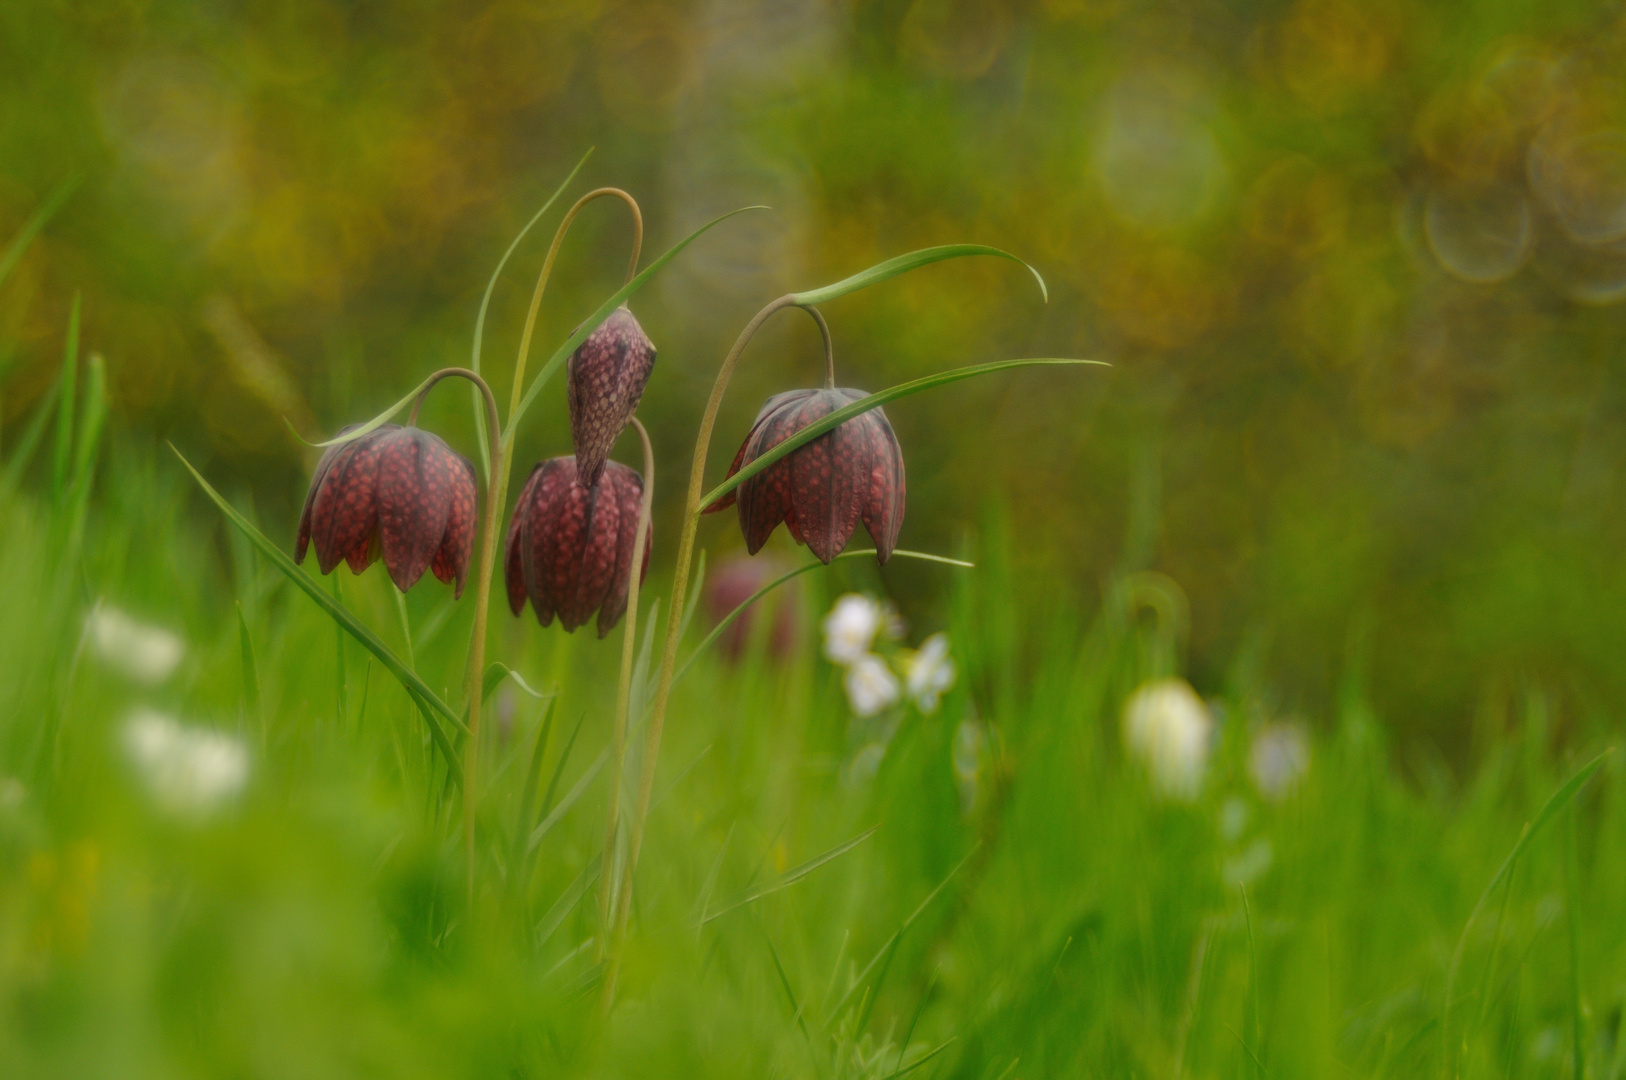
(189, 770)
(850, 633)
(1170, 731)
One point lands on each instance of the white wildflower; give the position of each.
(190, 770)
(148, 654)
(1278, 760)
(850, 628)
(929, 672)
(1168, 729)
(870, 685)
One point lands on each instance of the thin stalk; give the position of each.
(497, 494)
(829, 347)
(482, 596)
(674, 631)
(623, 696)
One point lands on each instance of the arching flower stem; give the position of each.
(497, 497)
(623, 695)
(674, 627)
(495, 482)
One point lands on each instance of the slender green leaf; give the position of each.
(496, 672)
(728, 619)
(864, 405)
(922, 1059)
(65, 403)
(567, 901)
(902, 264)
(784, 981)
(23, 453)
(251, 670)
(897, 934)
(482, 438)
(92, 418)
(570, 800)
(36, 222)
(1560, 799)
(592, 322)
(522, 821)
(559, 766)
(789, 877)
(428, 702)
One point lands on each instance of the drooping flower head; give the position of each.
(604, 382)
(821, 490)
(569, 548)
(735, 581)
(397, 491)
(1169, 729)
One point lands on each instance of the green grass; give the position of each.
(1066, 924)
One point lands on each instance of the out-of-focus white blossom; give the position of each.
(148, 654)
(1278, 760)
(189, 770)
(870, 686)
(928, 672)
(1169, 730)
(850, 628)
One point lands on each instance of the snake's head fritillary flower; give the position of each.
(569, 548)
(399, 492)
(735, 581)
(821, 490)
(604, 383)
(1169, 729)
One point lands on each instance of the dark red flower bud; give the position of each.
(821, 490)
(400, 492)
(569, 547)
(606, 377)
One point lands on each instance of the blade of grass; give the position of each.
(64, 405)
(909, 1033)
(841, 1002)
(1559, 799)
(592, 322)
(1572, 899)
(711, 881)
(251, 671)
(875, 400)
(429, 703)
(570, 800)
(789, 877)
(496, 672)
(92, 417)
(1250, 1019)
(902, 264)
(559, 766)
(533, 775)
(406, 626)
(784, 981)
(36, 222)
(728, 620)
(482, 437)
(567, 902)
(32, 434)
(918, 1062)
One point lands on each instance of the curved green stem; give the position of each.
(623, 695)
(674, 633)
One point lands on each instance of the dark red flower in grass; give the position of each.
(399, 492)
(569, 547)
(605, 381)
(821, 490)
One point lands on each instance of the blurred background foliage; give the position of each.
(1359, 268)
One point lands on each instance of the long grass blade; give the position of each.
(1560, 799)
(251, 670)
(482, 437)
(875, 400)
(592, 322)
(567, 901)
(902, 264)
(64, 405)
(784, 981)
(841, 1002)
(728, 620)
(428, 701)
(33, 226)
(533, 775)
(922, 1059)
(789, 877)
(496, 672)
(571, 798)
(23, 453)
